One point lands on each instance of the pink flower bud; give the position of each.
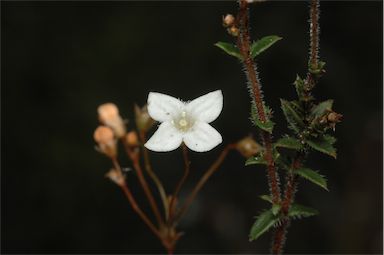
(248, 147)
(228, 20)
(109, 116)
(132, 139)
(104, 136)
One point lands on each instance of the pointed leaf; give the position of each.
(264, 43)
(289, 143)
(267, 125)
(320, 109)
(266, 198)
(275, 209)
(312, 176)
(323, 144)
(330, 139)
(230, 49)
(262, 224)
(298, 211)
(299, 85)
(318, 69)
(257, 160)
(292, 115)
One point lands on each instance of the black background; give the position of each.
(60, 60)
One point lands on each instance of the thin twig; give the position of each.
(213, 168)
(153, 176)
(134, 156)
(187, 165)
(133, 202)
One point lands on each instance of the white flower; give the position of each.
(184, 122)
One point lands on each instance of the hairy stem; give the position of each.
(291, 183)
(314, 32)
(279, 237)
(243, 44)
(153, 176)
(211, 170)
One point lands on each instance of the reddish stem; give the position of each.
(243, 44)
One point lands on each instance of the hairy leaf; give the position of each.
(299, 85)
(275, 209)
(318, 69)
(323, 144)
(267, 125)
(312, 176)
(298, 211)
(292, 115)
(320, 109)
(289, 143)
(230, 49)
(267, 198)
(264, 43)
(262, 224)
(257, 160)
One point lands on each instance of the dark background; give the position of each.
(60, 60)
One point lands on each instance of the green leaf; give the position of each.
(320, 109)
(257, 160)
(318, 69)
(312, 176)
(292, 115)
(323, 144)
(275, 209)
(298, 211)
(289, 143)
(267, 125)
(264, 43)
(330, 139)
(299, 85)
(267, 198)
(230, 49)
(262, 224)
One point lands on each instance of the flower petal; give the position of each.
(162, 107)
(202, 137)
(166, 138)
(207, 107)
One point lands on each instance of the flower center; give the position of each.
(183, 122)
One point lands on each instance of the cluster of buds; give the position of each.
(105, 138)
(248, 147)
(229, 22)
(109, 116)
(330, 119)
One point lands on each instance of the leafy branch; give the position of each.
(308, 120)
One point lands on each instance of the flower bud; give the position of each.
(132, 139)
(105, 138)
(109, 116)
(234, 31)
(248, 147)
(334, 117)
(116, 177)
(228, 20)
(143, 121)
